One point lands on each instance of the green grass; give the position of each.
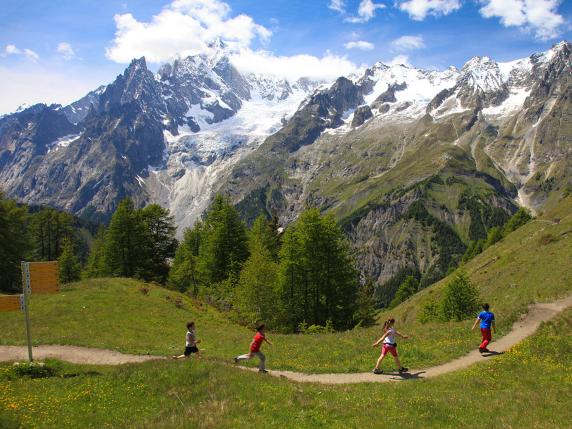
(113, 313)
(529, 386)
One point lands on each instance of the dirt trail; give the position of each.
(522, 329)
(82, 355)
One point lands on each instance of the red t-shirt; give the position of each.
(257, 342)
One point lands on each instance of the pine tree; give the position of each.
(96, 260)
(365, 305)
(14, 244)
(125, 249)
(266, 233)
(408, 288)
(256, 293)
(160, 241)
(69, 265)
(461, 299)
(224, 243)
(184, 273)
(318, 275)
(49, 230)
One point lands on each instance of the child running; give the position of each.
(389, 346)
(487, 320)
(255, 345)
(190, 342)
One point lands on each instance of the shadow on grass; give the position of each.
(82, 374)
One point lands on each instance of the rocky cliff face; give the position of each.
(443, 157)
(413, 163)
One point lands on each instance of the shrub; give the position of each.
(33, 370)
(461, 299)
(316, 329)
(429, 312)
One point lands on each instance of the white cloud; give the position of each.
(338, 6)
(408, 43)
(360, 44)
(539, 16)
(366, 11)
(184, 27)
(13, 50)
(419, 9)
(400, 59)
(65, 50)
(293, 67)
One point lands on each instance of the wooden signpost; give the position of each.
(37, 277)
(11, 303)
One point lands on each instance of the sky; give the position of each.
(57, 51)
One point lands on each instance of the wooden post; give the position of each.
(26, 290)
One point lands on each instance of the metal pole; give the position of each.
(26, 289)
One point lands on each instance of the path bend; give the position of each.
(523, 328)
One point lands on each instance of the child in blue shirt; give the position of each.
(487, 320)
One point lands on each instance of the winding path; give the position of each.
(522, 329)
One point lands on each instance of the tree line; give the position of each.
(38, 234)
(306, 276)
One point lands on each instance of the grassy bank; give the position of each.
(530, 265)
(527, 387)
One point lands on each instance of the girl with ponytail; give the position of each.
(389, 345)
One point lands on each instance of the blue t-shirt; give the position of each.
(486, 319)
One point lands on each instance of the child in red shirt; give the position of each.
(255, 345)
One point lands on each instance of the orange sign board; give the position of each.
(9, 303)
(44, 277)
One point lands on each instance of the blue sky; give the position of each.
(57, 51)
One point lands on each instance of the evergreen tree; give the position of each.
(224, 243)
(521, 217)
(49, 230)
(318, 276)
(408, 288)
(160, 241)
(494, 235)
(13, 244)
(256, 293)
(68, 262)
(125, 243)
(266, 233)
(365, 312)
(461, 299)
(184, 273)
(96, 260)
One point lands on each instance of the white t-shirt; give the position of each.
(190, 338)
(390, 339)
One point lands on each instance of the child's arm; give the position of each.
(494, 325)
(269, 343)
(402, 335)
(380, 340)
(475, 324)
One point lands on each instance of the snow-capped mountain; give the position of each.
(158, 137)
(466, 144)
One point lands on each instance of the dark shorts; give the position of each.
(189, 350)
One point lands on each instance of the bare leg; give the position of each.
(180, 357)
(397, 362)
(379, 360)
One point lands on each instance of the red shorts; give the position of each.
(388, 348)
